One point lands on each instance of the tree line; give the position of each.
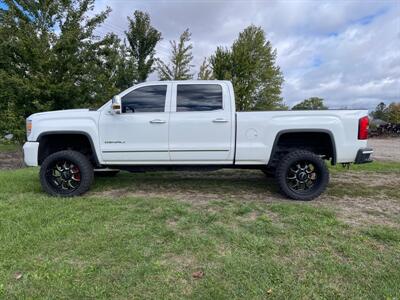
(387, 113)
(54, 55)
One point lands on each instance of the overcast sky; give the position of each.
(347, 52)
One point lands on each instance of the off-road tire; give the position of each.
(78, 159)
(320, 168)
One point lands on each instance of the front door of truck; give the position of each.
(140, 133)
(201, 124)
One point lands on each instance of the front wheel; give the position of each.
(66, 174)
(302, 175)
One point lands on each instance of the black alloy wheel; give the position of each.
(64, 176)
(66, 173)
(302, 175)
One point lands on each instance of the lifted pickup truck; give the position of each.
(182, 125)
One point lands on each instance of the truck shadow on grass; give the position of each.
(220, 184)
(244, 184)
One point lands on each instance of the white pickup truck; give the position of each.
(182, 125)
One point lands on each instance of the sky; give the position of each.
(347, 52)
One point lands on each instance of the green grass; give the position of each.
(375, 166)
(9, 147)
(128, 247)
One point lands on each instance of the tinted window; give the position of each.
(145, 99)
(199, 97)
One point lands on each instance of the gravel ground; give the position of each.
(385, 149)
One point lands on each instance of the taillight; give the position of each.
(363, 125)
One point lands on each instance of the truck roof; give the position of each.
(187, 81)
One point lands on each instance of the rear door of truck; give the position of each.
(201, 126)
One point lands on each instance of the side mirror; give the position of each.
(116, 104)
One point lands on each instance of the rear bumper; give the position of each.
(364, 156)
(31, 150)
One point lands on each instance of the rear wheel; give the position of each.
(302, 175)
(66, 174)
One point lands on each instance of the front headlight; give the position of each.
(28, 127)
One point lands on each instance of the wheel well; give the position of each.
(320, 143)
(51, 143)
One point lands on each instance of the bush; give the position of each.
(11, 122)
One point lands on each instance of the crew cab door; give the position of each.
(201, 126)
(140, 133)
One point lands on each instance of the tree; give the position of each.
(142, 38)
(389, 113)
(123, 65)
(51, 58)
(380, 112)
(251, 66)
(205, 71)
(221, 63)
(393, 113)
(179, 67)
(313, 103)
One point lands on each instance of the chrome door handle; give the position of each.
(157, 121)
(220, 120)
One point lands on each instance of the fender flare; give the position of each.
(309, 130)
(66, 132)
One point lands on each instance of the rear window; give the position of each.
(198, 97)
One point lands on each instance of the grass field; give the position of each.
(9, 147)
(144, 235)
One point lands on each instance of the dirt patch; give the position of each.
(387, 149)
(194, 197)
(172, 223)
(252, 216)
(369, 179)
(11, 160)
(187, 196)
(361, 211)
(179, 261)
